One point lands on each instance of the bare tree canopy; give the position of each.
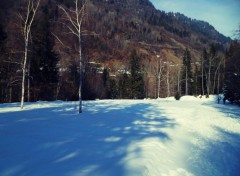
(27, 19)
(74, 19)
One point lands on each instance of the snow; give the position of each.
(163, 137)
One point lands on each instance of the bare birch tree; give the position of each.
(74, 18)
(202, 76)
(178, 79)
(211, 60)
(158, 71)
(27, 19)
(168, 78)
(217, 76)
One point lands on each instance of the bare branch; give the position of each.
(57, 38)
(30, 15)
(69, 18)
(12, 62)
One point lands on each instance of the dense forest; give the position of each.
(128, 49)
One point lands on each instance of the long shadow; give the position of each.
(231, 110)
(58, 141)
(220, 157)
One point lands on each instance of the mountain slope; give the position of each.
(119, 27)
(126, 25)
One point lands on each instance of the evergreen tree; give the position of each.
(210, 67)
(137, 83)
(88, 91)
(197, 81)
(113, 91)
(3, 66)
(108, 84)
(232, 74)
(187, 79)
(204, 61)
(124, 86)
(105, 76)
(43, 67)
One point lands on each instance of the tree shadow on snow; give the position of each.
(220, 156)
(58, 141)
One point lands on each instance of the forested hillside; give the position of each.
(128, 49)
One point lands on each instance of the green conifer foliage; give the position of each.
(137, 83)
(232, 74)
(43, 69)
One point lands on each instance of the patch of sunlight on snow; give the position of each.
(84, 171)
(199, 98)
(178, 172)
(112, 139)
(30, 120)
(140, 122)
(228, 124)
(28, 106)
(127, 128)
(11, 171)
(116, 129)
(153, 157)
(150, 126)
(56, 144)
(67, 157)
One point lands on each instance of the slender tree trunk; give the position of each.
(58, 87)
(168, 84)
(214, 82)
(28, 81)
(186, 82)
(80, 73)
(156, 89)
(24, 72)
(10, 94)
(218, 83)
(159, 76)
(216, 76)
(159, 86)
(75, 28)
(203, 92)
(178, 86)
(209, 80)
(28, 20)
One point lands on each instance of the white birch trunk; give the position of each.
(186, 82)
(28, 20)
(75, 19)
(203, 92)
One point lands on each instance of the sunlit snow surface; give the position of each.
(164, 137)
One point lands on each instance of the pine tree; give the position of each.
(113, 90)
(106, 83)
(204, 61)
(197, 81)
(43, 69)
(105, 76)
(124, 86)
(3, 68)
(232, 74)
(137, 83)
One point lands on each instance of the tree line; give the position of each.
(42, 50)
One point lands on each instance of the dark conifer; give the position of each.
(137, 83)
(43, 67)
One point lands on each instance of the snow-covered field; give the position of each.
(121, 138)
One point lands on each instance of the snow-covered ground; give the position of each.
(121, 138)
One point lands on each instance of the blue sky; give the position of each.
(224, 15)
